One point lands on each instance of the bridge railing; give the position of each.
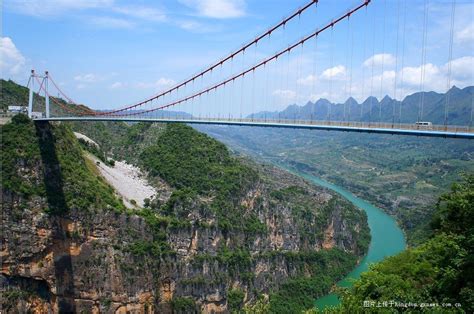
(349, 124)
(346, 124)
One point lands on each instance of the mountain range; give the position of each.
(386, 110)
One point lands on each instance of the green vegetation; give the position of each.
(315, 272)
(183, 305)
(310, 220)
(96, 151)
(106, 303)
(180, 203)
(187, 159)
(121, 140)
(402, 175)
(158, 246)
(261, 306)
(287, 193)
(12, 94)
(11, 297)
(155, 249)
(47, 161)
(235, 300)
(298, 294)
(19, 144)
(197, 165)
(194, 164)
(439, 271)
(213, 192)
(22, 290)
(237, 261)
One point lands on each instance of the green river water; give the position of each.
(387, 237)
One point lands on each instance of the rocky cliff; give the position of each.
(222, 232)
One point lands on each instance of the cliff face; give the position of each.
(69, 244)
(75, 261)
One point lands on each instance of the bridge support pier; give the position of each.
(30, 97)
(46, 96)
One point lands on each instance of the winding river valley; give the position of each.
(387, 237)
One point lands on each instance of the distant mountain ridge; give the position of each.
(386, 110)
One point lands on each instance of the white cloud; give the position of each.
(465, 35)
(49, 8)
(188, 25)
(462, 68)
(196, 27)
(109, 14)
(435, 78)
(116, 85)
(219, 9)
(381, 88)
(86, 78)
(308, 80)
(143, 13)
(164, 82)
(432, 76)
(385, 59)
(336, 73)
(111, 22)
(11, 59)
(316, 97)
(284, 95)
(161, 83)
(386, 76)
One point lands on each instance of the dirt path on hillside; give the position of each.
(127, 180)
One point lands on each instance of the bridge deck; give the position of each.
(364, 127)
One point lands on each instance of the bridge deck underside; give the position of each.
(364, 127)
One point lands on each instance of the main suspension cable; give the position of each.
(85, 109)
(232, 55)
(253, 68)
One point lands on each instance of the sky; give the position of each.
(110, 53)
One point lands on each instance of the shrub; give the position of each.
(21, 119)
(146, 202)
(183, 305)
(235, 300)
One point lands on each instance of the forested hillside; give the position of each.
(13, 94)
(201, 169)
(221, 234)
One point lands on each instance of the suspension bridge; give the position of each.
(240, 88)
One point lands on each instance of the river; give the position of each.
(387, 237)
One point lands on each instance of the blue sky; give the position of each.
(108, 53)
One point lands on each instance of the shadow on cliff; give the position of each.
(57, 205)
